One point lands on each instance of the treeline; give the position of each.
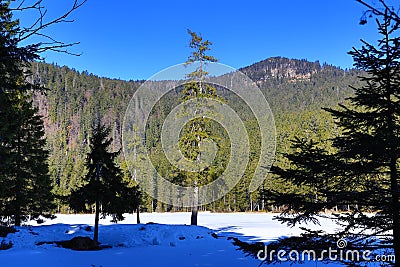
(72, 104)
(295, 89)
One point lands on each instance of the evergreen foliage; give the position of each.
(76, 98)
(197, 130)
(362, 168)
(24, 176)
(104, 183)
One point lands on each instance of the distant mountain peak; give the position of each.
(283, 68)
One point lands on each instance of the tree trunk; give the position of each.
(193, 219)
(96, 223)
(17, 219)
(138, 215)
(195, 208)
(18, 185)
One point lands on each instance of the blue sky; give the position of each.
(135, 39)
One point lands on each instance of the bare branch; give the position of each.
(60, 19)
(58, 48)
(36, 28)
(53, 41)
(21, 7)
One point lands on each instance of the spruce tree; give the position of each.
(104, 186)
(196, 130)
(25, 184)
(24, 171)
(370, 143)
(363, 170)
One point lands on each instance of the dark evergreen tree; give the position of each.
(24, 170)
(363, 169)
(24, 179)
(370, 143)
(104, 186)
(132, 183)
(312, 176)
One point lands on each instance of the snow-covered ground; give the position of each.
(162, 239)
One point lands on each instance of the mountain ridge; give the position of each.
(301, 66)
(295, 90)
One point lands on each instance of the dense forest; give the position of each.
(295, 89)
(73, 142)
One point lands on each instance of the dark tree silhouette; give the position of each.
(104, 184)
(364, 169)
(25, 184)
(24, 175)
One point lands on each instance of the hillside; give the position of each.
(293, 85)
(295, 89)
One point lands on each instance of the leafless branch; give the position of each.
(62, 48)
(21, 6)
(37, 27)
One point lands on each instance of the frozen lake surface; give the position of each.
(162, 239)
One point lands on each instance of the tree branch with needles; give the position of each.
(372, 10)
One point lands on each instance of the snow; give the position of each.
(162, 239)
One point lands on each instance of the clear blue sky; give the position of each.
(135, 39)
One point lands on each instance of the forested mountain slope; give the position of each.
(295, 89)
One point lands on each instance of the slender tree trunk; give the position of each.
(97, 208)
(195, 208)
(96, 223)
(138, 215)
(18, 185)
(17, 211)
(193, 218)
(17, 217)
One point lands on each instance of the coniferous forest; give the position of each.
(296, 90)
(336, 156)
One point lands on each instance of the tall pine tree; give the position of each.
(26, 186)
(196, 130)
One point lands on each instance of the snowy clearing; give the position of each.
(162, 239)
